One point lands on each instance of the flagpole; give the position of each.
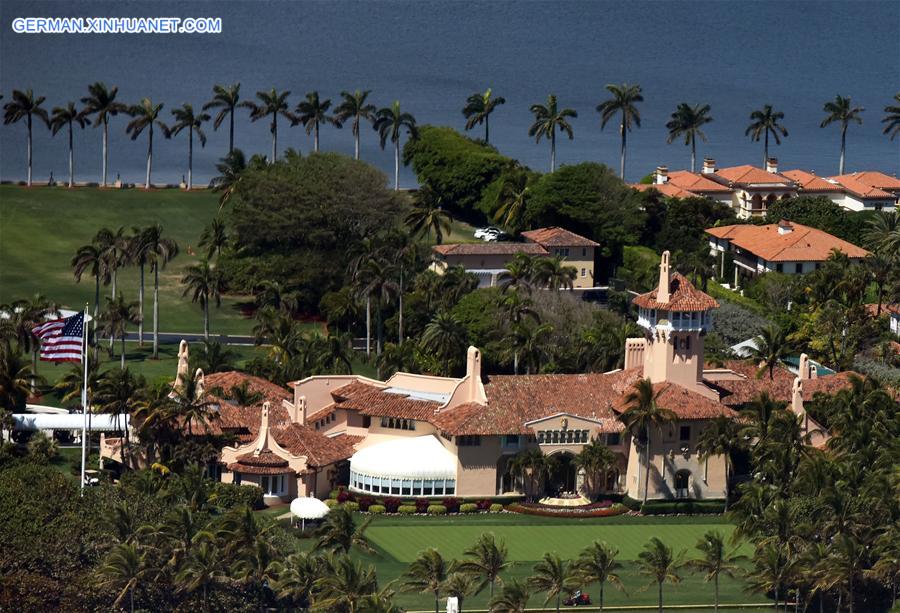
(84, 402)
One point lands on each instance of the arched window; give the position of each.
(682, 484)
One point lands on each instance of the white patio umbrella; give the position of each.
(308, 507)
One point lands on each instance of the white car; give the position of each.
(488, 234)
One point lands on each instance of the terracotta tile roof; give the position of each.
(803, 244)
(320, 450)
(265, 458)
(495, 248)
(345, 392)
(666, 189)
(739, 392)
(876, 179)
(683, 296)
(811, 182)
(751, 175)
(376, 402)
(558, 237)
(257, 470)
(893, 308)
(684, 403)
(695, 182)
(855, 186)
(226, 380)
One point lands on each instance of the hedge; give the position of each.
(351, 506)
(229, 496)
(496, 508)
(468, 508)
(544, 511)
(377, 509)
(437, 509)
(406, 509)
(690, 507)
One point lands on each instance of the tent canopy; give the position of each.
(309, 508)
(70, 421)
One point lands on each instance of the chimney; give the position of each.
(805, 369)
(199, 383)
(772, 165)
(709, 166)
(298, 408)
(662, 293)
(797, 402)
(662, 175)
(262, 439)
(785, 227)
(473, 372)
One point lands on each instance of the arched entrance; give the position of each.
(682, 484)
(563, 474)
(506, 481)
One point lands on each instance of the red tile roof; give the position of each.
(265, 458)
(374, 401)
(810, 182)
(495, 248)
(320, 450)
(684, 403)
(739, 392)
(226, 380)
(695, 182)
(683, 296)
(855, 186)
(751, 175)
(558, 237)
(876, 179)
(802, 244)
(666, 189)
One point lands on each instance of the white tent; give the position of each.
(308, 507)
(422, 457)
(100, 422)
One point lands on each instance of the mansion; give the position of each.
(417, 435)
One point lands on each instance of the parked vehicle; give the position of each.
(489, 234)
(578, 599)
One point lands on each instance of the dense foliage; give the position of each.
(820, 212)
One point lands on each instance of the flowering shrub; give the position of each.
(351, 506)
(422, 505)
(452, 504)
(344, 496)
(586, 511)
(484, 505)
(392, 504)
(365, 502)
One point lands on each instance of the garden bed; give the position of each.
(597, 509)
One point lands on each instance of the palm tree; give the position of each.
(597, 564)
(770, 347)
(160, 251)
(311, 112)
(255, 568)
(624, 100)
(527, 344)
(115, 318)
(721, 437)
(513, 598)
(16, 376)
(532, 466)
(186, 118)
(146, 114)
(90, 258)
(771, 572)
(486, 559)
(765, 122)
(715, 560)
(113, 248)
(16, 329)
(551, 273)
(641, 417)
(64, 117)
(883, 232)
(445, 337)
(840, 110)
(358, 270)
(427, 574)
(192, 404)
(202, 569)
(390, 122)
(124, 569)
(686, 121)
(137, 253)
(25, 105)
(427, 215)
(226, 99)
(892, 117)
(547, 120)
(844, 567)
(512, 201)
(519, 273)
(478, 110)
(339, 533)
(594, 460)
(214, 238)
(101, 101)
(658, 562)
(459, 585)
(230, 169)
(354, 105)
(204, 283)
(882, 267)
(272, 103)
(297, 576)
(345, 584)
(553, 576)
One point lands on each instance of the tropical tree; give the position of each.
(763, 122)
(25, 105)
(597, 564)
(296, 578)
(553, 274)
(428, 216)
(201, 570)
(770, 347)
(643, 415)
(883, 232)
(686, 121)
(191, 403)
(892, 117)
(594, 460)
(715, 560)
(146, 115)
(478, 110)
(125, 569)
(21, 317)
(226, 99)
(65, 117)
(720, 437)
(339, 533)
(427, 574)
(390, 122)
(772, 571)
(512, 200)
(185, 118)
(311, 112)
(486, 559)
(661, 564)
(137, 254)
(16, 377)
(230, 169)
(459, 585)
(214, 238)
(160, 251)
(553, 576)
(547, 120)
(527, 344)
(271, 104)
(89, 258)
(532, 466)
(345, 584)
(519, 273)
(101, 103)
(205, 284)
(355, 106)
(513, 598)
(624, 100)
(116, 318)
(446, 338)
(113, 248)
(841, 111)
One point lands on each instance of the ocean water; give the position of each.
(735, 56)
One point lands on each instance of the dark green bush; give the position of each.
(377, 509)
(468, 507)
(228, 496)
(437, 509)
(691, 507)
(406, 509)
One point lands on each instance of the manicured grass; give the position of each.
(461, 232)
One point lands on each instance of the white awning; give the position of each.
(308, 507)
(422, 457)
(70, 421)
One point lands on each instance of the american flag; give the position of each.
(61, 339)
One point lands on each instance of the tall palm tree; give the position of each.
(519, 273)
(459, 585)
(113, 248)
(355, 106)
(445, 337)
(771, 346)
(339, 533)
(513, 598)
(883, 232)
(532, 466)
(686, 121)
(661, 564)
(16, 376)
(763, 122)
(841, 111)
(427, 574)
(160, 251)
(214, 238)
(345, 584)
(597, 564)
(882, 267)
(205, 284)
(715, 560)
(226, 99)
(297, 576)
(552, 576)
(624, 100)
(846, 562)
(486, 559)
(313, 111)
(146, 115)
(192, 404)
(553, 274)
(643, 415)
(65, 117)
(90, 259)
(772, 571)
(271, 104)
(720, 437)
(16, 329)
(512, 201)
(116, 317)
(25, 105)
(428, 216)
(478, 110)
(101, 101)
(892, 117)
(390, 122)
(358, 271)
(201, 570)
(527, 344)
(547, 120)
(185, 118)
(138, 253)
(124, 569)
(230, 169)
(594, 460)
